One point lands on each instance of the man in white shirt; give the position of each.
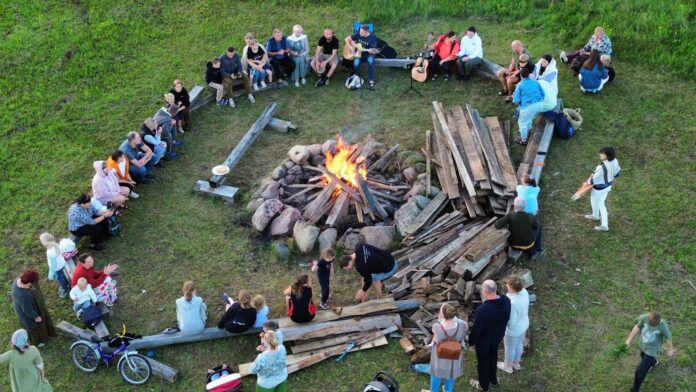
(470, 53)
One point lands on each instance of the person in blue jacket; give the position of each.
(593, 74)
(530, 97)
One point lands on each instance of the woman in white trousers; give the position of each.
(601, 180)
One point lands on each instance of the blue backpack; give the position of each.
(562, 128)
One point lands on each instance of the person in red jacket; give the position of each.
(101, 281)
(445, 59)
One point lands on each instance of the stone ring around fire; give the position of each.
(220, 170)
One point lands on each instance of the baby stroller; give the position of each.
(382, 382)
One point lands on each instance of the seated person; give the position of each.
(299, 50)
(529, 191)
(247, 43)
(117, 161)
(546, 73)
(325, 58)
(470, 53)
(270, 325)
(510, 76)
(530, 97)
(593, 74)
(152, 136)
(257, 66)
(85, 219)
(278, 49)
(183, 101)
(259, 303)
(231, 69)
(105, 186)
(374, 266)
(598, 41)
(166, 119)
(523, 227)
(298, 298)
(169, 101)
(445, 59)
(239, 315)
(140, 157)
(100, 280)
(191, 311)
(369, 45)
(213, 78)
(606, 60)
(82, 295)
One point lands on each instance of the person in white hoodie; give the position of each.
(546, 73)
(191, 311)
(83, 296)
(470, 53)
(299, 50)
(517, 325)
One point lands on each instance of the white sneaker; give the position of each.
(134, 195)
(563, 56)
(263, 84)
(591, 217)
(601, 228)
(251, 98)
(297, 83)
(256, 87)
(304, 81)
(232, 104)
(501, 366)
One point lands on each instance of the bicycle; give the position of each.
(134, 367)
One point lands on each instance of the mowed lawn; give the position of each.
(76, 79)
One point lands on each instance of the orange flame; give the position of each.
(340, 165)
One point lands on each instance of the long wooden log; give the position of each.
(428, 214)
(339, 210)
(502, 153)
(381, 163)
(484, 138)
(544, 145)
(367, 195)
(446, 171)
(488, 69)
(246, 142)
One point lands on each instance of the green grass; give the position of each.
(78, 76)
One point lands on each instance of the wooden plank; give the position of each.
(544, 144)
(225, 191)
(462, 128)
(101, 330)
(367, 195)
(383, 305)
(502, 153)
(453, 148)
(320, 201)
(246, 142)
(447, 173)
(382, 162)
(338, 181)
(314, 345)
(429, 213)
(488, 69)
(317, 330)
(339, 210)
(407, 345)
(484, 139)
(281, 126)
(428, 138)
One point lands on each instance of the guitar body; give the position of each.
(350, 53)
(419, 72)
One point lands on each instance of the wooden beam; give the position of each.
(502, 153)
(428, 214)
(454, 149)
(544, 145)
(281, 126)
(339, 210)
(486, 142)
(428, 138)
(488, 69)
(314, 345)
(370, 201)
(462, 128)
(382, 162)
(244, 144)
(313, 331)
(446, 171)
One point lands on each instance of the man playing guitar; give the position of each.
(364, 46)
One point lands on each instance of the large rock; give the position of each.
(405, 215)
(329, 145)
(305, 236)
(254, 204)
(299, 154)
(278, 173)
(265, 213)
(288, 164)
(327, 239)
(410, 175)
(284, 223)
(271, 191)
(421, 201)
(379, 236)
(314, 149)
(281, 251)
(350, 239)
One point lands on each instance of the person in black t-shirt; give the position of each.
(239, 315)
(373, 264)
(324, 270)
(258, 65)
(325, 58)
(298, 298)
(369, 44)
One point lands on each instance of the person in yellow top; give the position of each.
(26, 365)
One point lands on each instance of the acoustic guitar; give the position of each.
(419, 72)
(350, 53)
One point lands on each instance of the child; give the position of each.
(56, 264)
(239, 315)
(529, 191)
(324, 270)
(270, 325)
(259, 303)
(213, 77)
(298, 298)
(83, 296)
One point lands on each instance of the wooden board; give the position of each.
(428, 214)
(226, 192)
(314, 345)
(502, 153)
(444, 167)
(462, 128)
(313, 331)
(488, 69)
(442, 126)
(544, 145)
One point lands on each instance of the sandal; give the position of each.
(503, 92)
(521, 142)
(475, 384)
(508, 99)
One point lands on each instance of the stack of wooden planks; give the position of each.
(472, 160)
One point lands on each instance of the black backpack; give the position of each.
(562, 128)
(91, 316)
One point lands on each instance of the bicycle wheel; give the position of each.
(84, 357)
(135, 369)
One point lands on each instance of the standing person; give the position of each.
(369, 45)
(602, 179)
(191, 311)
(270, 366)
(517, 325)
(84, 219)
(525, 233)
(448, 328)
(325, 58)
(298, 298)
(257, 65)
(120, 164)
(30, 305)
(140, 157)
(593, 74)
(373, 264)
(213, 78)
(654, 332)
(231, 69)
(239, 315)
(324, 269)
(277, 49)
(487, 332)
(105, 287)
(183, 101)
(105, 187)
(83, 296)
(445, 60)
(27, 373)
(530, 97)
(598, 41)
(56, 264)
(529, 191)
(299, 50)
(470, 53)
(510, 76)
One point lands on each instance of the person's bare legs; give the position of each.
(125, 191)
(333, 66)
(378, 288)
(502, 78)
